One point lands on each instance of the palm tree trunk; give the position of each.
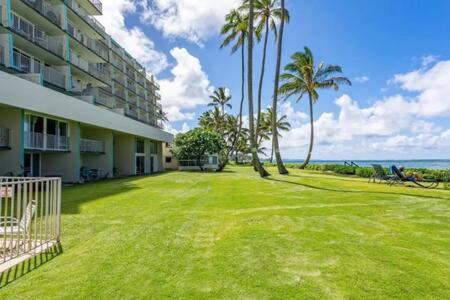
(241, 107)
(271, 154)
(275, 145)
(256, 162)
(311, 141)
(261, 79)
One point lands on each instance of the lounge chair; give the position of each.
(11, 225)
(380, 175)
(426, 184)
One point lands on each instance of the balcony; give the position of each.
(83, 14)
(46, 142)
(31, 33)
(98, 96)
(87, 42)
(46, 10)
(4, 138)
(132, 113)
(102, 74)
(49, 75)
(79, 62)
(120, 94)
(53, 76)
(2, 55)
(117, 63)
(92, 146)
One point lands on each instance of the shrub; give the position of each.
(364, 172)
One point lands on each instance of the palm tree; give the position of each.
(235, 29)
(267, 14)
(256, 162)
(220, 98)
(302, 77)
(275, 145)
(281, 125)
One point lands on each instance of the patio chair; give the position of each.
(426, 184)
(11, 225)
(380, 174)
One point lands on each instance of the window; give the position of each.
(168, 159)
(140, 146)
(153, 148)
(21, 61)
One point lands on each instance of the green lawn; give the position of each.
(233, 235)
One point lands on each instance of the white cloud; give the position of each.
(188, 88)
(184, 128)
(428, 60)
(134, 40)
(432, 86)
(193, 20)
(361, 79)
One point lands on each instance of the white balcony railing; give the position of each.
(92, 146)
(37, 36)
(86, 17)
(4, 137)
(48, 11)
(30, 218)
(79, 62)
(97, 4)
(46, 142)
(53, 76)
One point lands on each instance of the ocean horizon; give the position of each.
(437, 164)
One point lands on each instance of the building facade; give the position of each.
(71, 98)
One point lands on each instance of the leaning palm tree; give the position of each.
(253, 143)
(220, 98)
(303, 77)
(275, 145)
(281, 124)
(235, 30)
(267, 14)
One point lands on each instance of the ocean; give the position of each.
(437, 164)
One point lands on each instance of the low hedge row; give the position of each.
(367, 172)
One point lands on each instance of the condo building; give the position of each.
(73, 102)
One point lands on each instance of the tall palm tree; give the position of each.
(275, 145)
(256, 162)
(281, 124)
(220, 98)
(303, 77)
(267, 14)
(235, 30)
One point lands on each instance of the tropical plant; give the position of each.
(253, 143)
(212, 120)
(275, 144)
(196, 144)
(235, 30)
(220, 98)
(267, 13)
(303, 77)
(281, 124)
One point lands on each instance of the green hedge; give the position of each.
(367, 172)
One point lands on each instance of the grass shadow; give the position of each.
(11, 275)
(73, 197)
(352, 191)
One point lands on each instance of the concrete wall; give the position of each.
(124, 154)
(10, 160)
(103, 162)
(21, 93)
(65, 164)
(167, 152)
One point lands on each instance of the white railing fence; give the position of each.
(42, 141)
(30, 210)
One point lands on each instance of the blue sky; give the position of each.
(395, 52)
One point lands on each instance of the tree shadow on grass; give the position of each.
(352, 191)
(18, 271)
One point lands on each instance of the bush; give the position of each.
(365, 172)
